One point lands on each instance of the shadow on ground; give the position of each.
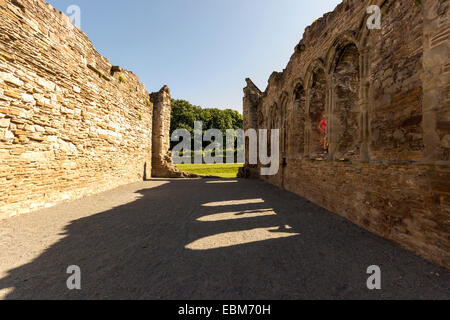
(222, 239)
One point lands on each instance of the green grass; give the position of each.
(218, 170)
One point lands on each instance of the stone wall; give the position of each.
(385, 95)
(162, 164)
(71, 123)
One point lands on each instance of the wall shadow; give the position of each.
(138, 251)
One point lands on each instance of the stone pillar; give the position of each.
(435, 78)
(330, 118)
(364, 96)
(162, 165)
(252, 98)
(306, 150)
(284, 137)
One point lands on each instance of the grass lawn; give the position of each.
(217, 170)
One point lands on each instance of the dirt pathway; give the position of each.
(203, 239)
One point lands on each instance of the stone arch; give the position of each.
(317, 95)
(363, 38)
(273, 123)
(348, 37)
(364, 50)
(298, 119)
(284, 108)
(344, 67)
(260, 119)
(284, 116)
(275, 116)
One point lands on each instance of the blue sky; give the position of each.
(202, 49)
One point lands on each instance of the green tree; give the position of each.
(184, 114)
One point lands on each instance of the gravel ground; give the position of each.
(204, 239)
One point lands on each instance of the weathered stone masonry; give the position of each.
(162, 164)
(386, 96)
(71, 124)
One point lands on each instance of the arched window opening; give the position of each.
(275, 124)
(299, 119)
(346, 111)
(317, 113)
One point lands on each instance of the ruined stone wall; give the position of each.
(162, 164)
(71, 124)
(385, 96)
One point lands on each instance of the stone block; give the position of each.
(10, 79)
(4, 122)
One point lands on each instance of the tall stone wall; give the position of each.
(71, 124)
(162, 164)
(385, 96)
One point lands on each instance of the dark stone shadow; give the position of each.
(138, 251)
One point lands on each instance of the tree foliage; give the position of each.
(185, 114)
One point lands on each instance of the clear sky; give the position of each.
(202, 49)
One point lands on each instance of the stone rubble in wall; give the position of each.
(65, 132)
